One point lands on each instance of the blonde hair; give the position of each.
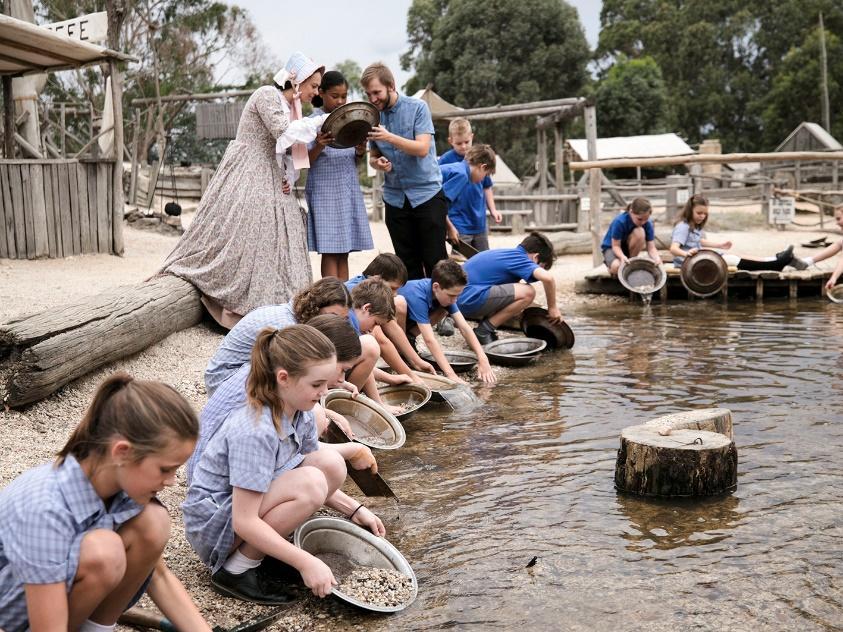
(378, 71)
(147, 414)
(294, 349)
(459, 126)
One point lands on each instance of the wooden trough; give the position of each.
(741, 283)
(41, 353)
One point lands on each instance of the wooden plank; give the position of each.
(7, 218)
(91, 170)
(103, 234)
(57, 215)
(64, 213)
(69, 173)
(29, 220)
(84, 213)
(39, 212)
(109, 188)
(49, 208)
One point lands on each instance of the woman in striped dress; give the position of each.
(337, 223)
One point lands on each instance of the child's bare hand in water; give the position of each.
(363, 459)
(366, 518)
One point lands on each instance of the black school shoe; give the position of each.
(280, 572)
(253, 586)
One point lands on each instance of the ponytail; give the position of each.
(326, 291)
(147, 414)
(293, 349)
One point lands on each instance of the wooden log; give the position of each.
(685, 463)
(711, 419)
(45, 351)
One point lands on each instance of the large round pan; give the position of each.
(349, 124)
(535, 324)
(642, 275)
(704, 273)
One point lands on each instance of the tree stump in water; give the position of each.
(43, 352)
(673, 456)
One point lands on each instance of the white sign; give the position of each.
(585, 203)
(681, 196)
(85, 28)
(782, 210)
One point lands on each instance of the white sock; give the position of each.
(808, 260)
(238, 563)
(90, 626)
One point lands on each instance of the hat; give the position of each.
(298, 68)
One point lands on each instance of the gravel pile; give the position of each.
(377, 586)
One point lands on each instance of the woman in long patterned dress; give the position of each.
(247, 245)
(336, 222)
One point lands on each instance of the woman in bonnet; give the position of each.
(247, 245)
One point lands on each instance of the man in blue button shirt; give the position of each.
(402, 147)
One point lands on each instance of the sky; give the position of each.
(331, 31)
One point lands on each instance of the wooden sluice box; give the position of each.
(740, 284)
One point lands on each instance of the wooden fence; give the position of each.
(57, 208)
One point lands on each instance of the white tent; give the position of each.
(649, 146)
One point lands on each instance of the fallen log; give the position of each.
(671, 456)
(41, 353)
(566, 243)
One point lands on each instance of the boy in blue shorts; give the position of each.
(494, 295)
(428, 300)
(467, 206)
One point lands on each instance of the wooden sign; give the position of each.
(92, 27)
(782, 210)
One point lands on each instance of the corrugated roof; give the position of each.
(26, 48)
(649, 146)
(825, 140)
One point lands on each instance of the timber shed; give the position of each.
(66, 206)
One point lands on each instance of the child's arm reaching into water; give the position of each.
(549, 285)
(484, 369)
(654, 252)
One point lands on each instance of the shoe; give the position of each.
(279, 571)
(253, 586)
(445, 327)
(786, 254)
(485, 336)
(798, 263)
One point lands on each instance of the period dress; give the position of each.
(337, 222)
(247, 245)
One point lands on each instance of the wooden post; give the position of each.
(116, 14)
(826, 111)
(62, 119)
(541, 166)
(8, 119)
(558, 158)
(133, 179)
(595, 179)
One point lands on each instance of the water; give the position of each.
(531, 474)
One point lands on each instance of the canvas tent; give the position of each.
(648, 146)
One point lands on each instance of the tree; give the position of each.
(632, 98)
(351, 70)
(502, 52)
(719, 57)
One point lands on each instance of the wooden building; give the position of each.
(61, 207)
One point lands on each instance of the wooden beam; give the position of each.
(782, 156)
(8, 119)
(117, 170)
(595, 181)
(199, 96)
(41, 52)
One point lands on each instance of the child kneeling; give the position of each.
(262, 474)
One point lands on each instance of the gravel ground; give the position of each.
(33, 435)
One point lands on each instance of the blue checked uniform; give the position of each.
(246, 452)
(418, 179)
(500, 266)
(420, 300)
(236, 348)
(44, 514)
(336, 221)
(687, 238)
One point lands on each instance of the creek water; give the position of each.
(530, 474)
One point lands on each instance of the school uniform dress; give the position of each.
(236, 348)
(489, 270)
(247, 245)
(467, 200)
(246, 452)
(687, 238)
(44, 514)
(412, 191)
(421, 302)
(336, 222)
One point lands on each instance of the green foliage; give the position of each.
(499, 51)
(632, 98)
(351, 70)
(721, 59)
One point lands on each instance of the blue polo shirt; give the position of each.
(352, 318)
(353, 282)
(452, 156)
(466, 202)
(500, 266)
(420, 300)
(417, 179)
(621, 227)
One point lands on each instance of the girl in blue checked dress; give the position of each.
(81, 539)
(336, 223)
(262, 473)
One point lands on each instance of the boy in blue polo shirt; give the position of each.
(428, 300)
(467, 214)
(629, 234)
(494, 295)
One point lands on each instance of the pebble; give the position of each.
(377, 586)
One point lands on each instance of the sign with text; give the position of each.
(92, 27)
(782, 210)
(682, 196)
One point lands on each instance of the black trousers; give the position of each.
(418, 234)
